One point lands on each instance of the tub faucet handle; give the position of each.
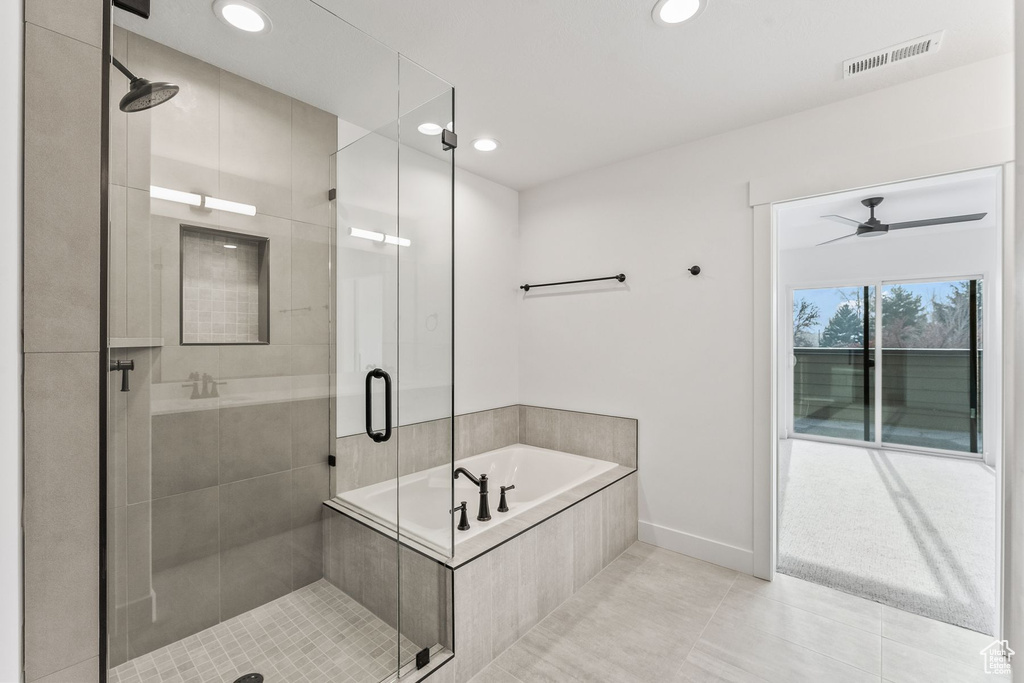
(502, 505)
(463, 518)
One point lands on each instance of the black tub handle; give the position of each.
(378, 437)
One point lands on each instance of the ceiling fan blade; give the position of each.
(843, 219)
(852, 234)
(937, 221)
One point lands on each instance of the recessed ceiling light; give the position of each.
(430, 129)
(231, 246)
(671, 12)
(242, 15)
(485, 144)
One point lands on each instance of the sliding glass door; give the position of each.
(910, 376)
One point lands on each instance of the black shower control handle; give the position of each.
(463, 518)
(124, 367)
(502, 505)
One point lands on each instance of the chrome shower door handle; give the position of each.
(378, 437)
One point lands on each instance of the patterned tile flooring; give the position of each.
(316, 633)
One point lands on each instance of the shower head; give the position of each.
(143, 94)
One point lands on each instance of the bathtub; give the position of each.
(423, 497)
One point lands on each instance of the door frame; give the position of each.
(994, 148)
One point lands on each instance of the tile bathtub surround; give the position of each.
(368, 566)
(596, 436)
(427, 444)
(501, 595)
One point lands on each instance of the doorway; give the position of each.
(888, 394)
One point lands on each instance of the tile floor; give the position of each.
(316, 633)
(654, 615)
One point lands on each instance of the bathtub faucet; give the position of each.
(484, 512)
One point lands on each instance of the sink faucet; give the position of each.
(484, 512)
(193, 378)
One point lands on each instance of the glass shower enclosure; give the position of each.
(280, 322)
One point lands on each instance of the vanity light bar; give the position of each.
(379, 237)
(175, 196)
(193, 199)
(225, 205)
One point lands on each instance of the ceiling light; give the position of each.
(242, 15)
(430, 129)
(175, 196)
(671, 12)
(231, 246)
(225, 205)
(485, 144)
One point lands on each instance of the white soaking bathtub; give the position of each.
(538, 474)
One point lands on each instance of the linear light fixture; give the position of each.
(175, 196)
(379, 237)
(193, 199)
(225, 205)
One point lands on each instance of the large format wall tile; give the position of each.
(61, 191)
(314, 140)
(181, 570)
(181, 151)
(185, 451)
(486, 430)
(310, 433)
(255, 440)
(310, 284)
(60, 520)
(79, 20)
(595, 436)
(256, 562)
(309, 490)
(255, 146)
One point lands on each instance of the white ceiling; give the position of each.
(568, 85)
(800, 223)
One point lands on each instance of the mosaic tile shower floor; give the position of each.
(317, 633)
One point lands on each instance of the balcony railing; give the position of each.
(926, 396)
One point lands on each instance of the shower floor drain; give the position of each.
(250, 678)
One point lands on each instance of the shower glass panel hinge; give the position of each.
(332, 461)
(449, 140)
(422, 658)
(332, 194)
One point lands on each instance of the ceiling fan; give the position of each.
(873, 227)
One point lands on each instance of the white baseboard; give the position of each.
(705, 549)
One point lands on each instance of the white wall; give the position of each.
(486, 294)
(11, 65)
(674, 350)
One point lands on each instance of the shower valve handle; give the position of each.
(124, 367)
(463, 518)
(502, 505)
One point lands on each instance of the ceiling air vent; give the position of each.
(890, 55)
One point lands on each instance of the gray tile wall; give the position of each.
(501, 595)
(216, 505)
(60, 325)
(595, 436)
(367, 566)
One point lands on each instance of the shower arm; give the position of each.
(121, 67)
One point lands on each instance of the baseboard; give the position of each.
(705, 549)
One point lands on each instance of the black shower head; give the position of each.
(143, 94)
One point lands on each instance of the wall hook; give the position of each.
(694, 270)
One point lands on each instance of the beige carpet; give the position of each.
(916, 532)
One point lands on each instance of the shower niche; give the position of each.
(225, 287)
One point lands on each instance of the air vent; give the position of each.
(891, 55)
